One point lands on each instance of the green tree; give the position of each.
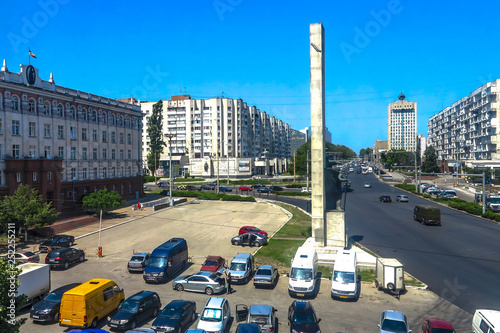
(26, 208)
(102, 200)
(155, 132)
(429, 164)
(366, 153)
(397, 158)
(10, 305)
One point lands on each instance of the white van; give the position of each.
(303, 273)
(486, 321)
(345, 282)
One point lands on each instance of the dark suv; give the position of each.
(275, 188)
(385, 198)
(48, 309)
(64, 257)
(56, 242)
(136, 309)
(302, 317)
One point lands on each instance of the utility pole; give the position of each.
(294, 164)
(228, 169)
(171, 183)
(307, 163)
(217, 189)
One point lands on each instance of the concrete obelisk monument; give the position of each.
(317, 54)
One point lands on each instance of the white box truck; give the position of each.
(303, 273)
(389, 274)
(34, 281)
(345, 280)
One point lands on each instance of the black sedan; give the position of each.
(263, 190)
(47, 310)
(249, 239)
(56, 242)
(207, 187)
(138, 308)
(385, 198)
(302, 317)
(177, 316)
(64, 257)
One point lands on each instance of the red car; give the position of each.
(435, 325)
(245, 229)
(245, 188)
(213, 264)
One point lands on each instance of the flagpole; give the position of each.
(29, 57)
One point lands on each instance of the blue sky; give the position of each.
(434, 51)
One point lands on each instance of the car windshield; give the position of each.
(210, 263)
(157, 262)
(211, 315)
(137, 258)
(173, 313)
(495, 200)
(258, 319)
(301, 273)
(263, 272)
(130, 306)
(238, 266)
(441, 330)
(304, 318)
(53, 297)
(394, 326)
(343, 277)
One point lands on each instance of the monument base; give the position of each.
(335, 226)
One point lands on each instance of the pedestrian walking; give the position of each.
(142, 206)
(228, 279)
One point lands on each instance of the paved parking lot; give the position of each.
(207, 227)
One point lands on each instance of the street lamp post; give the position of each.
(170, 136)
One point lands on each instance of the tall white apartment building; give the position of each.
(402, 125)
(217, 128)
(469, 130)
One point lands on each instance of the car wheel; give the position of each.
(390, 286)
(155, 312)
(209, 291)
(256, 244)
(179, 287)
(94, 323)
(132, 325)
(66, 265)
(55, 317)
(82, 258)
(236, 243)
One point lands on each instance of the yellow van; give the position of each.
(85, 305)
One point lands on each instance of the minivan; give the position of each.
(486, 321)
(215, 315)
(241, 268)
(303, 273)
(427, 214)
(166, 260)
(85, 305)
(345, 282)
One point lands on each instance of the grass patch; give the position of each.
(188, 180)
(210, 196)
(367, 275)
(411, 281)
(299, 225)
(325, 271)
(279, 253)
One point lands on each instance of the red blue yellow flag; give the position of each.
(32, 54)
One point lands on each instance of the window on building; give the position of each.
(94, 154)
(113, 172)
(60, 131)
(16, 151)
(105, 172)
(96, 173)
(60, 110)
(84, 153)
(46, 108)
(72, 113)
(94, 135)
(32, 151)
(104, 136)
(73, 174)
(113, 137)
(129, 154)
(60, 152)
(16, 127)
(84, 134)
(31, 129)
(130, 171)
(104, 154)
(129, 136)
(31, 105)
(47, 151)
(84, 173)
(72, 155)
(1, 126)
(46, 131)
(15, 103)
(72, 133)
(121, 154)
(121, 138)
(1, 154)
(113, 154)
(122, 172)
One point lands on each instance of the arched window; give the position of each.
(93, 116)
(15, 103)
(103, 117)
(72, 113)
(111, 119)
(119, 119)
(31, 105)
(1, 104)
(60, 110)
(46, 108)
(83, 115)
(127, 121)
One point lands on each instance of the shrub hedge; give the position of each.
(209, 196)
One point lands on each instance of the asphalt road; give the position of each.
(460, 261)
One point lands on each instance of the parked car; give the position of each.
(402, 198)
(47, 310)
(249, 239)
(245, 188)
(247, 328)
(138, 308)
(207, 187)
(138, 262)
(368, 185)
(163, 184)
(393, 321)
(304, 189)
(262, 315)
(248, 228)
(192, 188)
(435, 325)
(302, 317)
(263, 190)
(64, 257)
(24, 257)
(56, 242)
(266, 276)
(385, 198)
(257, 186)
(433, 190)
(177, 316)
(275, 188)
(213, 264)
(216, 315)
(202, 282)
(181, 187)
(225, 189)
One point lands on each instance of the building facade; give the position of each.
(468, 131)
(402, 125)
(64, 142)
(218, 128)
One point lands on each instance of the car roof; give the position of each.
(141, 295)
(258, 309)
(265, 267)
(140, 254)
(214, 257)
(394, 315)
(303, 305)
(215, 302)
(206, 274)
(440, 323)
(177, 303)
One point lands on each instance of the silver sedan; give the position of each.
(202, 282)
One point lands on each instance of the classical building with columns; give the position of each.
(64, 142)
